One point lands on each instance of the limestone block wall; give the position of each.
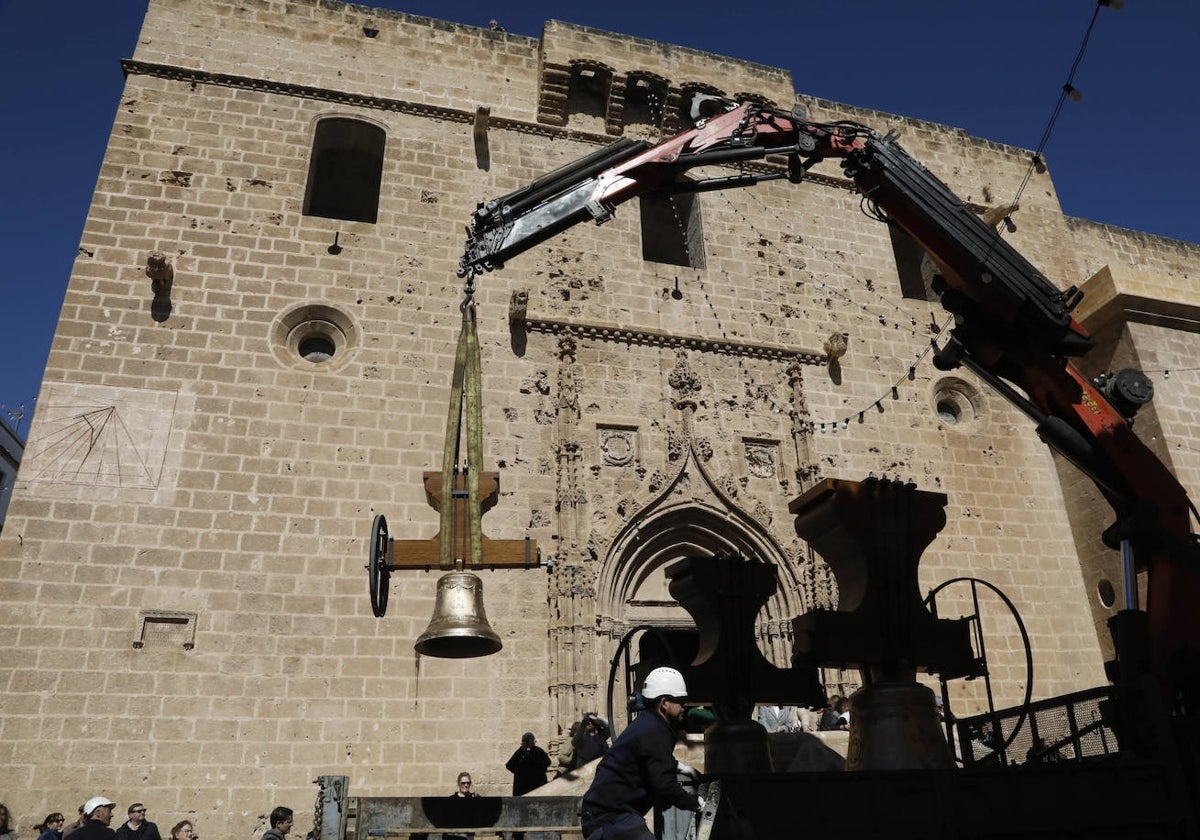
(183, 556)
(325, 46)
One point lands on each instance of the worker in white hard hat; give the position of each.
(99, 813)
(639, 770)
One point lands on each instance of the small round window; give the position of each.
(957, 403)
(316, 349)
(314, 335)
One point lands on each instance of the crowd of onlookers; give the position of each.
(833, 716)
(95, 823)
(588, 739)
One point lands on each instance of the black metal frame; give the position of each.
(981, 662)
(1073, 725)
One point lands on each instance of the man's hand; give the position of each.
(700, 799)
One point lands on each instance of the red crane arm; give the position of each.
(1013, 327)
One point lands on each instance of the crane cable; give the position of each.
(466, 390)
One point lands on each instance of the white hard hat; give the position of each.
(96, 802)
(664, 682)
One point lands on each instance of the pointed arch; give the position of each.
(691, 516)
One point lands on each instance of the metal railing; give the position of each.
(1070, 728)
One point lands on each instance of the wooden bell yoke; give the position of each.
(459, 544)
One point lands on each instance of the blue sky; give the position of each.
(1123, 155)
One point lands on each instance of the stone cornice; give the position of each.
(655, 338)
(1121, 294)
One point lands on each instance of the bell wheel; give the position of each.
(378, 573)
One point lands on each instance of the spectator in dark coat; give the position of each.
(830, 719)
(591, 739)
(138, 827)
(528, 766)
(51, 827)
(79, 823)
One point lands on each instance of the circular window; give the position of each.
(949, 412)
(1108, 595)
(317, 348)
(314, 335)
(957, 403)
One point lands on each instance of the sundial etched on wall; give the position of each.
(100, 436)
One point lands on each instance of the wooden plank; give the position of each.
(497, 554)
(526, 829)
(397, 815)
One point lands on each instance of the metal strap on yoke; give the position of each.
(466, 386)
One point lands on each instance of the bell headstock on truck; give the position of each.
(1013, 328)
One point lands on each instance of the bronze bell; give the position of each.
(459, 628)
(736, 746)
(894, 726)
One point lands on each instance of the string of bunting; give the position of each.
(1037, 163)
(894, 389)
(825, 288)
(832, 425)
(755, 390)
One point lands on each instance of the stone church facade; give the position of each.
(248, 368)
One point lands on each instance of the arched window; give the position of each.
(588, 94)
(688, 96)
(672, 231)
(345, 170)
(749, 96)
(645, 100)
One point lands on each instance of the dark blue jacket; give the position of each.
(638, 772)
(94, 830)
(146, 831)
(589, 746)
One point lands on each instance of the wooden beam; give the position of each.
(497, 554)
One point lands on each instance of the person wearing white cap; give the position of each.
(99, 813)
(639, 771)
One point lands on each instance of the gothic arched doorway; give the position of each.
(690, 518)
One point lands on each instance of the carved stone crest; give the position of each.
(618, 446)
(761, 459)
